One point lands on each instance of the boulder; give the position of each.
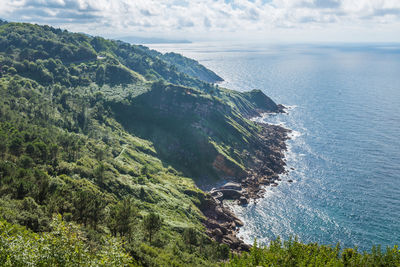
(238, 223)
(243, 201)
(231, 193)
(232, 185)
(244, 247)
(217, 232)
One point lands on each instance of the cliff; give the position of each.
(105, 134)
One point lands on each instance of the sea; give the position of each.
(343, 107)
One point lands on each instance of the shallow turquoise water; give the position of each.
(345, 112)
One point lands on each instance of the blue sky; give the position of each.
(244, 20)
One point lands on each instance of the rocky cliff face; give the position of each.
(250, 104)
(266, 166)
(227, 168)
(207, 139)
(84, 121)
(198, 134)
(222, 225)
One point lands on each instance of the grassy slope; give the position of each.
(57, 183)
(84, 130)
(189, 66)
(187, 126)
(79, 124)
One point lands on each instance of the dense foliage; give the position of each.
(189, 66)
(67, 155)
(101, 143)
(49, 55)
(64, 245)
(63, 151)
(295, 253)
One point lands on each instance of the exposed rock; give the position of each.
(226, 168)
(232, 241)
(243, 201)
(217, 232)
(268, 164)
(232, 185)
(238, 223)
(221, 223)
(230, 194)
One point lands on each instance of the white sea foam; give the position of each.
(260, 118)
(290, 107)
(294, 134)
(270, 210)
(336, 163)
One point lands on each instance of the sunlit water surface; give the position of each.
(344, 110)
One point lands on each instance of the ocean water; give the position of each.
(344, 109)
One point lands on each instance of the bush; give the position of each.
(65, 245)
(295, 253)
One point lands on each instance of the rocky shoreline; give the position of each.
(221, 223)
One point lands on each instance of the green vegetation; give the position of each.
(64, 150)
(295, 253)
(152, 224)
(101, 144)
(190, 67)
(64, 245)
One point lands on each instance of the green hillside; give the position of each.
(103, 148)
(86, 132)
(190, 67)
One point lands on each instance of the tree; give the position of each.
(100, 153)
(152, 224)
(26, 162)
(82, 119)
(99, 173)
(89, 207)
(100, 75)
(95, 211)
(122, 217)
(53, 151)
(3, 146)
(16, 146)
(80, 202)
(41, 151)
(190, 237)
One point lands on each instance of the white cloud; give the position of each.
(209, 18)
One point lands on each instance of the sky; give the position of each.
(218, 20)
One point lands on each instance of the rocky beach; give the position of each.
(221, 223)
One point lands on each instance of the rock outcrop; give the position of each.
(222, 225)
(269, 164)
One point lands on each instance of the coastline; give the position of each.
(221, 223)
